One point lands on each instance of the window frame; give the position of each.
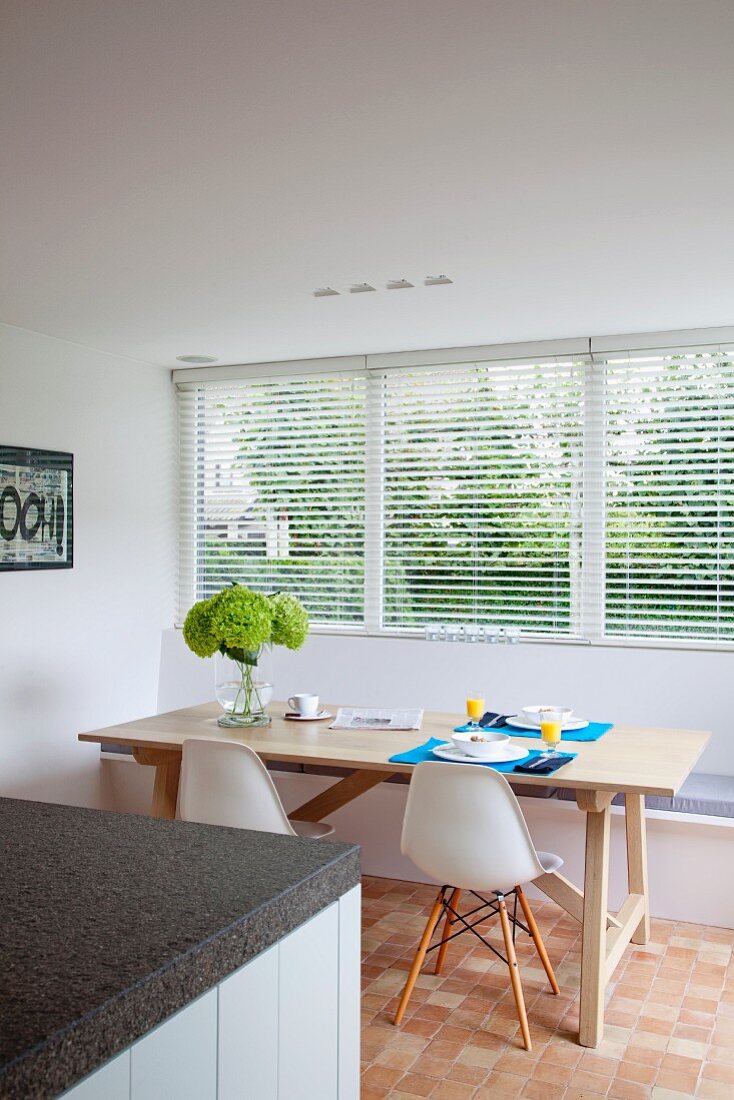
(588, 593)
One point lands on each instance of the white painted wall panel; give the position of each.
(350, 936)
(248, 1031)
(110, 1082)
(80, 648)
(178, 1059)
(309, 1005)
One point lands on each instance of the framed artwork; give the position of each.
(36, 509)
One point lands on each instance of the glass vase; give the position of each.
(241, 690)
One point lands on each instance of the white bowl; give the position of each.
(490, 748)
(532, 714)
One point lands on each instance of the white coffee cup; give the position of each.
(305, 705)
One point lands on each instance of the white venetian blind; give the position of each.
(272, 483)
(669, 495)
(480, 488)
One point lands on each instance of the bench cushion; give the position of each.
(708, 795)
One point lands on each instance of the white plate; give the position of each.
(450, 752)
(317, 717)
(572, 724)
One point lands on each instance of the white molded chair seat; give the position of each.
(226, 783)
(317, 830)
(549, 861)
(464, 827)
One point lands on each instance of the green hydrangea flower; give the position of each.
(290, 621)
(197, 629)
(238, 622)
(241, 620)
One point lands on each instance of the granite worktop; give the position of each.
(111, 922)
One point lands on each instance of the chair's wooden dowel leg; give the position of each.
(420, 955)
(537, 938)
(447, 925)
(514, 973)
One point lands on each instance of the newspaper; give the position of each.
(357, 718)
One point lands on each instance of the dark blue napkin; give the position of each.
(545, 766)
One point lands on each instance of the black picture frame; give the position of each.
(36, 509)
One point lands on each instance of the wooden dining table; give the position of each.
(633, 761)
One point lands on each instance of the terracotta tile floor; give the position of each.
(669, 1024)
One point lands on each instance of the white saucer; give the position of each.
(317, 717)
(450, 752)
(572, 724)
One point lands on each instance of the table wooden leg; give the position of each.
(338, 795)
(637, 860)
(167, 764)
(568, 896)
(594, 930)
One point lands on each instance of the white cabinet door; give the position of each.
(248, 1031)
(350, 962)
(111, 1082)
(178, 1059)
(308, 1009)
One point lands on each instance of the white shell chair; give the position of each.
(226, 783)
(463, 826)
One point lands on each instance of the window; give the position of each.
(274, 491)
(480, 491)
(669, 496)
(582, 496)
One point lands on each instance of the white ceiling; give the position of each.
(179, 175)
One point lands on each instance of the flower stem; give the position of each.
(247, 692)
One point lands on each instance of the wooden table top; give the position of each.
(627, 758)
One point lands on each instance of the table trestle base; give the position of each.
(604, 935)
(338, 795)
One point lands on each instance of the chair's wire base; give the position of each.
(492, 906)
(447, 908)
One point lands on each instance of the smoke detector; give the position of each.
(197, 360)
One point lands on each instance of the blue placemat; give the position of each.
(423, 752)
(592, 732)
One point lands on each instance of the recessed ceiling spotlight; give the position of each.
(399, 284)
(361, 288)
(197, 360)
(325, 292)
(437, 280)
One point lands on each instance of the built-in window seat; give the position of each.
(701, 794)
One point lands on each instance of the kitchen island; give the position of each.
(144, 959)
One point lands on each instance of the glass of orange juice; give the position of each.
(550, 726)
(474, 707)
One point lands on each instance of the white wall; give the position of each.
(92, 646)
(679, 688)
(80, 648)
